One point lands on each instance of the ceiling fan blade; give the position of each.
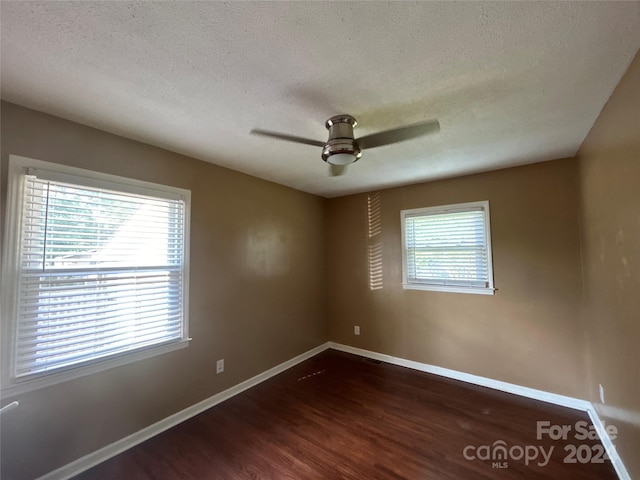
(337, 170)
(288, 138)
(398, 134)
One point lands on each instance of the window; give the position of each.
(448, 248)
(95, 272)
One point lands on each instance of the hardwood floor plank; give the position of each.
(339, 416)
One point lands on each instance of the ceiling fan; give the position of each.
(343, 149)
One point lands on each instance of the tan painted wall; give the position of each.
(528, 333)
(252, 300)
(609, 173)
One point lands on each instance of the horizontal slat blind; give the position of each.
(101, 273)
(447, 248)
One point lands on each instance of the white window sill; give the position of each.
(449, 288)
(28, 385)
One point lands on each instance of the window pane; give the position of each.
(101, 272)
(447, 246)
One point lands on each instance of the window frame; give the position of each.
(18, 166)
(458, 207)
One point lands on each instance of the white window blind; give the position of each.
(101, 270)
(448, 247)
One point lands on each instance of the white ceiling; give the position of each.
(511, 82)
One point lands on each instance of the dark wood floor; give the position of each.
(339, 416)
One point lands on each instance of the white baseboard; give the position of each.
(554, 398)
(608, 445)
(78, 466)
(91, 460)
(533, 393)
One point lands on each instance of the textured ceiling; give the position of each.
(510, 82)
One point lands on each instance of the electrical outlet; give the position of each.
(601, 394)
(220, 366)
(356, 329)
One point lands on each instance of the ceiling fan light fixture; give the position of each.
(341, 159)
(341, 152)
(341, 149)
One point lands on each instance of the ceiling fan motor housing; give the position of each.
(341, 149)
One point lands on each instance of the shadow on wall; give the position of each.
(374, 220)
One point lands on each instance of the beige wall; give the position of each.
(528, 333)
(252, 300)
(609, 173)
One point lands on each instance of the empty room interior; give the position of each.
(320, 240)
